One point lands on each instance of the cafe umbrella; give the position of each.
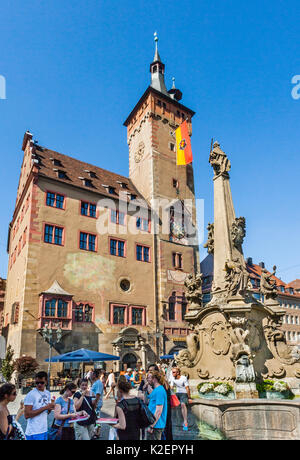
(83, 356)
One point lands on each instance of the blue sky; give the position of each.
(75, 70)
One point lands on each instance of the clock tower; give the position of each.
(153, 170)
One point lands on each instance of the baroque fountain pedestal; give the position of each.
(236, 338)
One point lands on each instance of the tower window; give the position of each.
(172, 303)
(158, 103)
(177, 260)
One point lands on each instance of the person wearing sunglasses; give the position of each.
(38, 405)
(8, 395)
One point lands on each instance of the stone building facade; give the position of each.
(89, 250)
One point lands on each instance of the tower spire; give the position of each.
(157, 69)
(156, 54)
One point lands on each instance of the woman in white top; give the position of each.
(181, 386)
(111, 383)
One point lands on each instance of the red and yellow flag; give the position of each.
(183, 145)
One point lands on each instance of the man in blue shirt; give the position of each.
(158, 405)
(97, 389)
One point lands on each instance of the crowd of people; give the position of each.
(78, 408)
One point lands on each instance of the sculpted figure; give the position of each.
(267, 285)
(210, 239)
(237, 279)
(219, 161)
(244, 370)
(238, 231)
(194, 291)
(277, 342)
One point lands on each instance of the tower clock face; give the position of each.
(140, 152)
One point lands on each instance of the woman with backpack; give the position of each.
(128, 411)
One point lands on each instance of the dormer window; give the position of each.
(92, 174)
(61, 174)
(56, 162)
(122, 184)
(111, 190)
(88, 182)
(133, 196)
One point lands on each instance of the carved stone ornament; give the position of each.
(210, 239)
(219, 338)
(193, 294)
(255, 335)
(188, 357)
(238, 231)
(239, 333)
(277, 343)
(244, 370)
(203, 373)
(218, 160)
(140, 152)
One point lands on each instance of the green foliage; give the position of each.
(7, 367)
(268, 385)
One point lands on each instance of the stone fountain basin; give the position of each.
(249, 419)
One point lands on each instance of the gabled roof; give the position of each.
(294, 284)
(77, 170)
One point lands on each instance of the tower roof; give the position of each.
(157, 69)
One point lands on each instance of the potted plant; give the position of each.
(215, 390)
(25, 367)
(271, 389)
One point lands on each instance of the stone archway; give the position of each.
(129, 360)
